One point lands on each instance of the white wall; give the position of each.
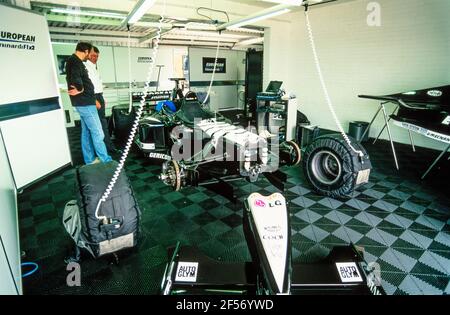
(29, 75)
(9, 229)
(409, 51)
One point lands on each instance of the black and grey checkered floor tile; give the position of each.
(402, 223)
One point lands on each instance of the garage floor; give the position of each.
(402, 222)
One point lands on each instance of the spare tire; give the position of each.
(333, 169)
(123, 121)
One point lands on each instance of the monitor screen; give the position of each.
(274, 86)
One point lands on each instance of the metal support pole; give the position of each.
(390, 136)
(371, 122)
(412, 142)
(435, 161)
(389, 119)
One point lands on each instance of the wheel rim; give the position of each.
(171, 170)
(326, 167)
(298, 152)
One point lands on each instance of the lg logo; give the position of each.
(374, 17)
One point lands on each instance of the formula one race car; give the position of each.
(198, 147)
(271, 271)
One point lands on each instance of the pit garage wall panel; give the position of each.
(10, 270)
(35, 136)
(226, 87)
(409, 50)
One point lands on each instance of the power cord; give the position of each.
(130, 97)
(218, 45)
(213, 73)
(136, 121)
(324, 87)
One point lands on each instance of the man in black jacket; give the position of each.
(81, 91)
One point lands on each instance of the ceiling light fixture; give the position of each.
(154, 25)
(141, 8)
(252, 41)
(89, 13)
(262, 15)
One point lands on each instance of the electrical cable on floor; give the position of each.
(27, 264)
(136, 121)
(324, 87)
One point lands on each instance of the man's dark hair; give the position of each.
(96, 49)
(83, 46)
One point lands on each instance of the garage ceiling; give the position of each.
(100, 22)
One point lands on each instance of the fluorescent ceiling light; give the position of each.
(290, 2)
(139, 10)
(89, 13)
(252, 41)
(258, 16)
(183, 32)
(154, 25)
(256, 19)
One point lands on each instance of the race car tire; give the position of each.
(122, 121)
(330, 167)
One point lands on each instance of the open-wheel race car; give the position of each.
(199, 147)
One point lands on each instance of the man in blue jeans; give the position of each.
(81, 91)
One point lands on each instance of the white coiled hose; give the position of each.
(130, 95)
(213, 73)
(325, 90)
(136, 121)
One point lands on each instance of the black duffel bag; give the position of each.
(120, 228)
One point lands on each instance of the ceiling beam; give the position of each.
(78, 20)
(193, 43)
(74, 30)
(123, 41)
(201, 38)
(150, 37)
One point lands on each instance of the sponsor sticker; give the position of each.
(187, 272)
(159, 156)
(260, 203)
(363, 177)
(348, 272)
(434, 93)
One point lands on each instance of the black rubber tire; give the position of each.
(342, 181)
(122, 121)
